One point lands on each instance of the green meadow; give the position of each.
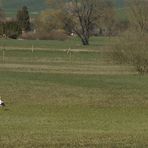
(80, 98)
(73, 43)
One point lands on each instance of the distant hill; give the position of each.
(120, 3)
(34, 6)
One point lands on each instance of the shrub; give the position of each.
(54, 35)
(132, 48)
(57, 35)
(10, 29)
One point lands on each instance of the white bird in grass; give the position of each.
(2, 104)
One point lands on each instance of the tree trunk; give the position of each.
(85, 41)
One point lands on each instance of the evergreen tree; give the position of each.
(24, 19)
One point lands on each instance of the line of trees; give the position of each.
(81, 17)
(13, 27)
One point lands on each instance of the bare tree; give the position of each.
(80, 16)
(86, 14)
(139, 14)
(84, 11)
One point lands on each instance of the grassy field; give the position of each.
(82, 99)
(73, 43)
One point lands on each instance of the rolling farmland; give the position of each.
(81, 98)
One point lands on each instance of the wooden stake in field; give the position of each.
(68, 50)
(32, 49)
(3, 50)
(69, 53)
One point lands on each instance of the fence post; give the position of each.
(32, 49)
(3, 50)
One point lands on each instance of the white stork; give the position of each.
(2, 104)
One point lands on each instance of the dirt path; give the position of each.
(52, 49)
